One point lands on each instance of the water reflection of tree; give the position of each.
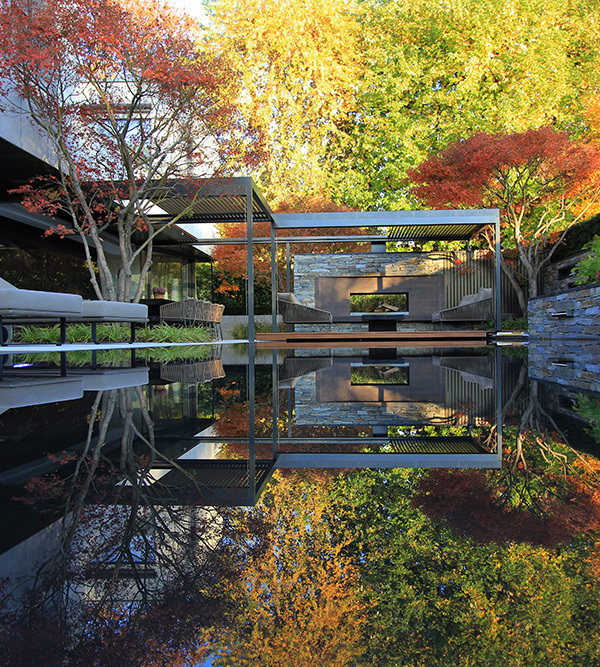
(130, 568)
(541, 466)
(546, 492)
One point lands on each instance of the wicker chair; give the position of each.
(214, 318)
(193, 373)
(195, 313)
(182, 312)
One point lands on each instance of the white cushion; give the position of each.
(114, 379)
(483, 293)
(25, 391)
(31, 303)
(289, 296)
(114, 311)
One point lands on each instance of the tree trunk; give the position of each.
(515, 284)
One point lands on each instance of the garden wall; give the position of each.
(564, 335)
(559, 277)
(433, 281)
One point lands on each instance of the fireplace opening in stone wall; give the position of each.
(379, 374)
(390, 302)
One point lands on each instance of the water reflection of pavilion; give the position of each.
(373, 406)
(389, 398)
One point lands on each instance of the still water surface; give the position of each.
(128, 487)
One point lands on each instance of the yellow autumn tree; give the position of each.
(299, 63)
(301, 599)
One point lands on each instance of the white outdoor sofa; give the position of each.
(21, 306)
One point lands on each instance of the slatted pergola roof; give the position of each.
(212, 201)
(448, 225)
(227, 200)
(238, 200)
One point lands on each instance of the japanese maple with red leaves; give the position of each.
(541, 180)
(125, 101)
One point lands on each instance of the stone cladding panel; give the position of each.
(308, 267)
(557, 276)
(566, 350)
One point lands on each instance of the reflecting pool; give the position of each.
(149, 496)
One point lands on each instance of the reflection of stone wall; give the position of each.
(568, 361)
(434, 394)
(566, 348)
(311, 412)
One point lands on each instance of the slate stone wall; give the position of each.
(330, 265)
(571, 362)
(582, 318)
(566, 348)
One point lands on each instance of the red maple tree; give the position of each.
(541, 180)
(125, 101)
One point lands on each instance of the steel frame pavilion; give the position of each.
(238, 200)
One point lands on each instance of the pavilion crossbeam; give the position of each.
(365, 460)
(413, 222)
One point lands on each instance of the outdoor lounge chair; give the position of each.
(471, 308)
(295, 312)
(187, 312)
(22, 306)
(93, 312)
(214, 318)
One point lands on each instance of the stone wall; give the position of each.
(328, 265)
(572, 362)
(581, 306)
(565, 348)
(326, 281)
(558, 278)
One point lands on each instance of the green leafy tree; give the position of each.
(436, 72)
(441, 598)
